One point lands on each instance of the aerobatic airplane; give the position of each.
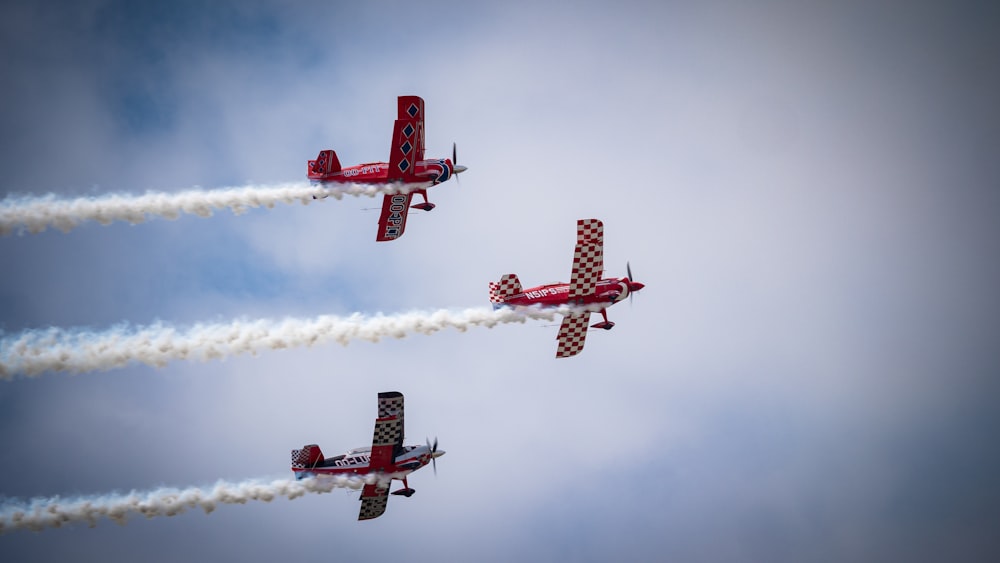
(406, 167)
(584, 288)
(386, 455)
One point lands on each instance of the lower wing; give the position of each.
(572, 334)
(373, 501)
(392, 222)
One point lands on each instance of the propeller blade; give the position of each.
(628, 268)
(433, 449)
(454, 153)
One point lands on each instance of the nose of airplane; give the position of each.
(437, 454)
(458, 169)
(635, 286)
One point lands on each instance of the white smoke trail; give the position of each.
(35, 214)
(34, 352)
(41, 513)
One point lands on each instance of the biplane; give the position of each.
(387, 455)
(406, 168)
(586, 287)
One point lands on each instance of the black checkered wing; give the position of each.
(373, 501)
(388, 437)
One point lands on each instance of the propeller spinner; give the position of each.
(633, 286)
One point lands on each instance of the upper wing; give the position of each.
(407, 138)
(373, 501)
(388, 438)
(572, 334)
(392, 222)
(588, 258)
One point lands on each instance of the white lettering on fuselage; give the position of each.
(352, 461)
(368, 169)
(546, 291)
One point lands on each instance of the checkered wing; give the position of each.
(590, 231)
(388, 438)
(373, 501)
(588, 265)
(572, 334)
(588, 258)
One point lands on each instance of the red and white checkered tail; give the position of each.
(507, 287)
(308, 457)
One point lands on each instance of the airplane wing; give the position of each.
(572, 334)
(588, 258)
(388, 438)
(407, 139)
(373, 501)
(386, 443)
(392, 222)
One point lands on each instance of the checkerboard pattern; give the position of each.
(374, 506)
(508, 286)
(572, 335)
(388, 432)
(588, 265)
(390, 403)
(306, 457)
(589, 231)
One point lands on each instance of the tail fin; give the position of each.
(326, 163)
(507, 287)
(309, 456)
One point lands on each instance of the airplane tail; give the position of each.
(502, 290)
(326, 163)
(309, 456)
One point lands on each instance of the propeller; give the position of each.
(454, 162)
(433, 449)
(633, 285)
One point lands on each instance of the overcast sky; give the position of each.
(809, 190)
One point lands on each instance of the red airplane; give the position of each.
(585, 288)
(406, 167)
(387, 455)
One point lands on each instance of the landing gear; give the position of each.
(426, 205)
(406, 491)
(606, 325)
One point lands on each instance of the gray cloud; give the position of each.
(806, 190)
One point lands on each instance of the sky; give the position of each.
(808, 190)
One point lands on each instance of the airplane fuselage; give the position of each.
(608, 291)
(357, 462)
(427, 173)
